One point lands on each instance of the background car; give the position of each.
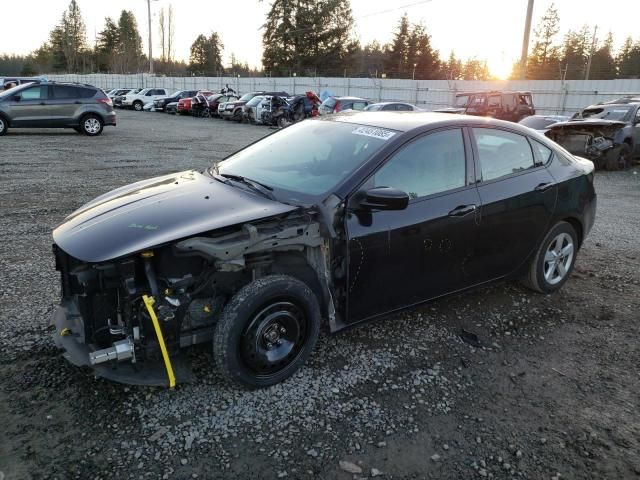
(82, 107)
(160, 103)
(138, 100)
(184, 104)
(504, 105)
(541, 122)
(4, 81)
(608, 134)
(117, 92)
(233, 110)
(391, 107)
(250, 110)
(216, 99)
(340, 104)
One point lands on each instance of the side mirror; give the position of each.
(384, 198)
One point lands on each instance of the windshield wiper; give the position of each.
(256, 186)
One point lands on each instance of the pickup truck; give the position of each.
(137, 101)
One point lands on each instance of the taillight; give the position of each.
(336, 109)
(106, 101)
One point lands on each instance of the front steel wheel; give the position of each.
(553, 263)
(267, 331)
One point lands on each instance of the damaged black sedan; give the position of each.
(335, 220)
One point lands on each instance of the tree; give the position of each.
(398, 52)
(543, 62)
(163, 35)
(73, 36)
(452, 68)
(603, 65)
(170, 33)
(421, 57)
(206, 55)
(306, 36)
(575, 53)
(129, 44)
(628, 60)
(108, 46)
(475, 69)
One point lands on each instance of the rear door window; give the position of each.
(502, 153)
(541, 153)
(359, 105)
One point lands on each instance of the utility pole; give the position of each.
(593, 46)
(525, 41)
(150, 44)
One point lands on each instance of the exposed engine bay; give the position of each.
(125, 317)
(596, 141)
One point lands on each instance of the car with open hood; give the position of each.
(608, 134)
(253, 254)
(504, 105)
(232, 110)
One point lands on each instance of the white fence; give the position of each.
(549, 96)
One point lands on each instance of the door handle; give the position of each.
(462, 210)
(543, 187)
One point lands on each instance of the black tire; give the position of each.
(619, 159)
(237, 115)
(247, 325)
(91, 125)
(138, 106)
(4, 126)
(541, 276)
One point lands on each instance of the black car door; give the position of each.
(399, 258)
(518, 198)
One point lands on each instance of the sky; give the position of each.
(486, 29)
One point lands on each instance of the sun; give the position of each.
(500, 67)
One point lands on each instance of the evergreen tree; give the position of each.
(307, 36)
(543, 63)
(398, 52)
(575, 53)
(452, 68)
(108, 46)
(129, 45)
(421, 56)
(475, 69)
(603, 65)
(628, 60)
(73, 37)
(206, 55)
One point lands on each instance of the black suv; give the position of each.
(85, 108)
(160, 103)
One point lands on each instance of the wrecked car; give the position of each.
(511, 106)
(608, 134)
(252, 254)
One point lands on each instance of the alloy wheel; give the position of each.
(92, 125)
(2, 126)
(558, 258)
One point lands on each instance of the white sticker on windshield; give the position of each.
(374, 132)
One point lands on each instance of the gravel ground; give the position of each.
(551, 393)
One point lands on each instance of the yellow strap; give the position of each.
(149, 301)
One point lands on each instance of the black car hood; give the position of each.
(156, 211)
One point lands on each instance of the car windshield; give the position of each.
(616, 112)
(309, 158)
(247, 96)
(255, 101)
(176, 93)
(330, 103)
(461, 101)
(373, 108)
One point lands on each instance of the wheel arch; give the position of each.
(6, 119)
(577, 226)
(296, 265)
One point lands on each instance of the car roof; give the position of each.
(406, 121)
(391, 103)
(350, 98)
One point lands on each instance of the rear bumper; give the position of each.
(110, 119)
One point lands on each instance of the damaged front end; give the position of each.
(599, 141)
(129, 318)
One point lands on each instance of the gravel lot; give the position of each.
(551, 393)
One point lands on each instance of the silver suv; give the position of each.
(82, 107)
